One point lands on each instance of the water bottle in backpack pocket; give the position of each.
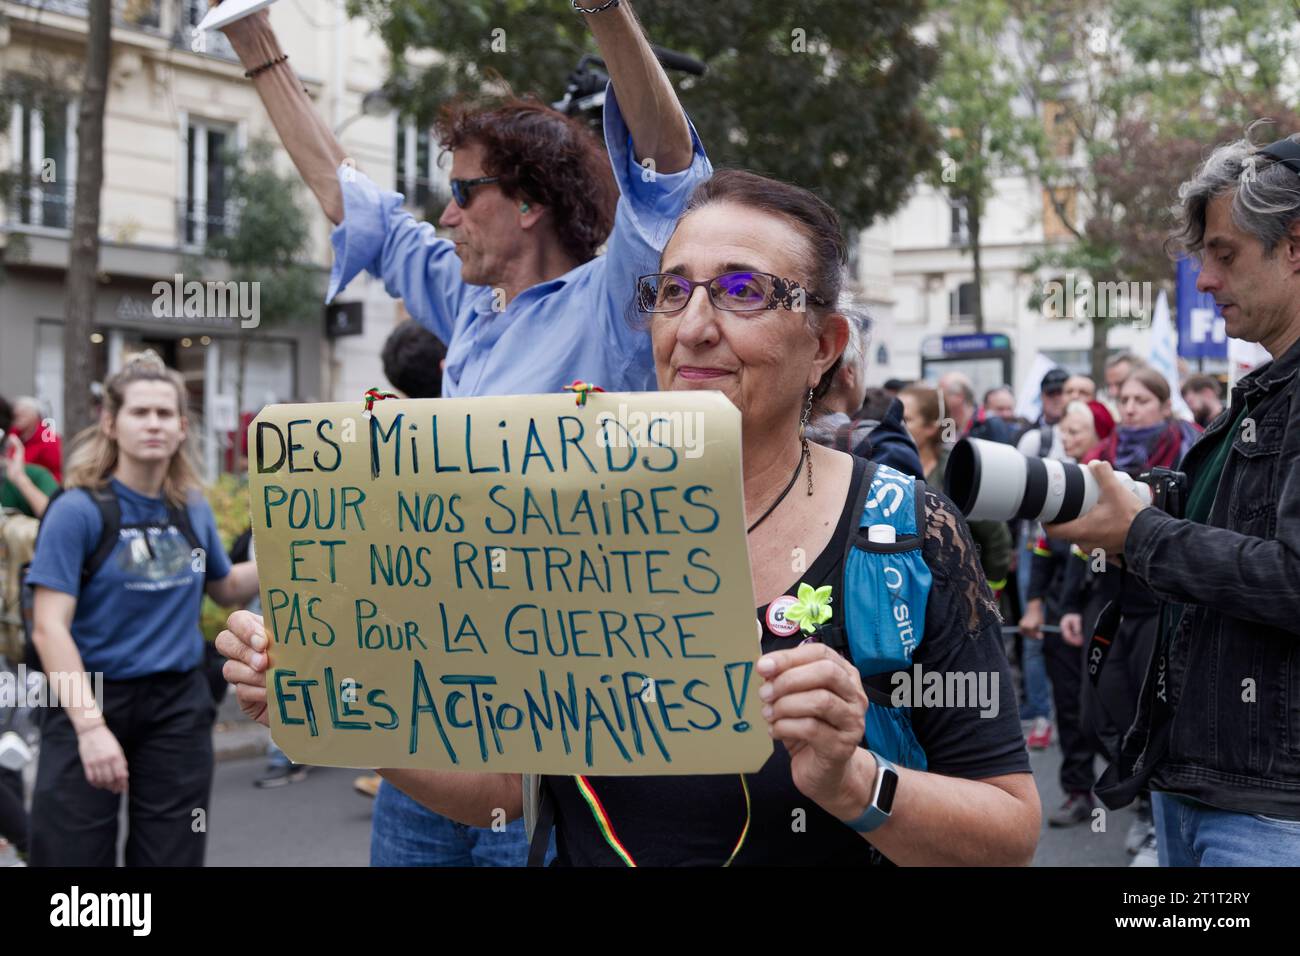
(886, 584)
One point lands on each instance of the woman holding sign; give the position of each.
(514, 286)
(744, 303)
(123, 560)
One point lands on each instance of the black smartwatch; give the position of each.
(882, 798)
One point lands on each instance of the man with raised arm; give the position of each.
(518, 293)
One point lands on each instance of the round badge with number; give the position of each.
(776, 620)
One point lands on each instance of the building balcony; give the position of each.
(197, 222)
(170, 20)
(47, 205)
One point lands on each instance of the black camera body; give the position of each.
(1168, 490)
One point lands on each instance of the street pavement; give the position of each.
(323, 821)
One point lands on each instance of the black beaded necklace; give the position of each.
(793, 478)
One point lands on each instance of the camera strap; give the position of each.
(1106, 630)
(1103, 638)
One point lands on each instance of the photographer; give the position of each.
(1217, 731)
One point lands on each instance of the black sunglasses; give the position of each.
(664, 293)
(460, 188)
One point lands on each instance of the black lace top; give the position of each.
(695, 820)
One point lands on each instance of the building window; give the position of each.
(1059, 124)
(142, 13)
(424, 183)
(212, 42)
(413, 167)
(136, 13)
(1056, 225)
(959, 223)
(961, 304)
(206, 211)
(43, 135)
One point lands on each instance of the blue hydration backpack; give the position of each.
(883, 592)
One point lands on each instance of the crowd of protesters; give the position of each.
(1060, 591)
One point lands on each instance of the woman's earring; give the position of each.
(803, 438)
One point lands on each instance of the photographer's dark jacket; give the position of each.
(1233, 674)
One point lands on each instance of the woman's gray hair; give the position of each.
(1265, 196)
(1077, 407)
(855, 350)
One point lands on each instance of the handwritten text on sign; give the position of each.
(515, 584)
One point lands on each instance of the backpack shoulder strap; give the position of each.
(110, 514)
(180, 517)
(539, 817)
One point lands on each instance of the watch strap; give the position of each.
(873, 816)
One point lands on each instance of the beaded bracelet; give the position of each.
(600, 9)
(251, 74)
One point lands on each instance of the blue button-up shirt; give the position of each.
(581, 325)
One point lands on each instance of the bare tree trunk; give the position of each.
(973, 213)
(83, 250)
(240, 376)
(1100, 330)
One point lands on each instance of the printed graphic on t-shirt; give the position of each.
(154, 559)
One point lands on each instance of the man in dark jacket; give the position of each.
(1217, 732)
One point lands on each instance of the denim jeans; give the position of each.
(275, 757)
(1038, 690)
(404, 832)
(1191, 833)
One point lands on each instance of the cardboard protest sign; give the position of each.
(513, 584)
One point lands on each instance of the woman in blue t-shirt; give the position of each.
(122, 562)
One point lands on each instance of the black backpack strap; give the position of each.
(919, 495)
(545, 823)
(179, 515)
(110, 514)
(836, 636)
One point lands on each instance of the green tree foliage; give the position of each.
(266, 242)
(824, 93)
(972, 106)
(1132, 94)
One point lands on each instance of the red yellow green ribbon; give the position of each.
(606, 825)
(582, 390)
(375, 395)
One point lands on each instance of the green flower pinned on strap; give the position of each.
(812, 610)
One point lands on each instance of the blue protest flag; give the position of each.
(1200, 326)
